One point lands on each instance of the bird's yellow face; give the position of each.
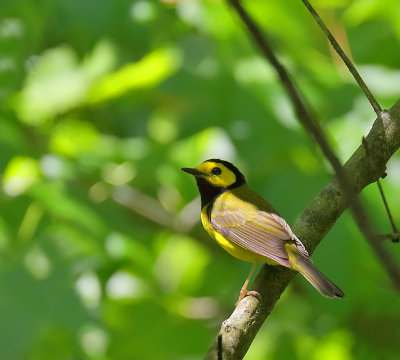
(216, 174)
(213, 177)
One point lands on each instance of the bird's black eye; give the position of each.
(216, 171)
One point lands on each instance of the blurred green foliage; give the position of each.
(101, 251)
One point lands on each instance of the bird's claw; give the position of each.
(244, 293)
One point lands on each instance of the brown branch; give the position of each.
(374, 103)
(239, 330)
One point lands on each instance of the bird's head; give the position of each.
(217, 173)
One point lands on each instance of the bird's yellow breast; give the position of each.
(229, 246)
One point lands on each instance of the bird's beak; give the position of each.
(192, 171)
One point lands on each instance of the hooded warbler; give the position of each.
(248, 227)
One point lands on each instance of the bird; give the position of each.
(248, 227)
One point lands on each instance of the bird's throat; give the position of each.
(208, 192)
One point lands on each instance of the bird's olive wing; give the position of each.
(258, 231)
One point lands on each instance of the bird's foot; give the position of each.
(244, 293)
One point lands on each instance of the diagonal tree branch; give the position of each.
(344, 57)
(239, 330)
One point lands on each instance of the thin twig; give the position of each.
(374, 103)
(395, 235)
(313, 127)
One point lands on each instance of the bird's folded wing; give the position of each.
(258, 231)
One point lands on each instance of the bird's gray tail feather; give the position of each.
(316, 277)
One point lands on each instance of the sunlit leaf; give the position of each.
(54, 85)
(146, 73)
(20, 174)
(73, 138)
